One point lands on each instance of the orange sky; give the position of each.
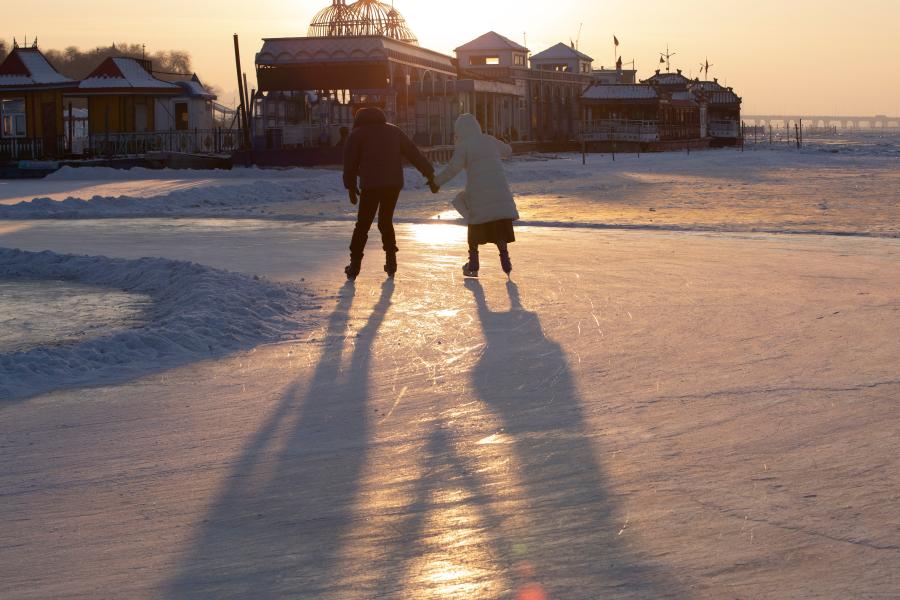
(803, 56)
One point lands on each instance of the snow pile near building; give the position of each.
(197, 312)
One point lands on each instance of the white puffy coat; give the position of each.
(487, 196)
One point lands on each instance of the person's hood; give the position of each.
(371, 115)
(466, 127)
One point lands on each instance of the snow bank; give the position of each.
(197, 312)
(214, 196)
(140, 173)
(220, 200)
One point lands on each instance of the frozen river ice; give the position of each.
(692, 410)
(637, 415)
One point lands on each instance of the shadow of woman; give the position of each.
(569, 530)
(277, 527)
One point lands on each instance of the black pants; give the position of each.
(381, 202)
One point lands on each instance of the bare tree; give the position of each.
(174, 61)
(78, 64)
(213, 89)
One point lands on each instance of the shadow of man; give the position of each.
(442, 466)
(278, 526)
(569, 534)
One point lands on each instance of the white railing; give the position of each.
(311, 135)
(193, 141)
(615, 130)
(724, 129)
(21, 148)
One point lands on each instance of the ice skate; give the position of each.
(505, 263)
(352, 270)
(390, 263)
(470, 269)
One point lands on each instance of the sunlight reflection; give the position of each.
(457, 562)
(439, 235)
(6, 228)
(447, 215)
(497, 438)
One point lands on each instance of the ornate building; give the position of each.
(365, 54)
(362, 18)
(356, 55)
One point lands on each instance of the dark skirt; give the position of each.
(493, 232)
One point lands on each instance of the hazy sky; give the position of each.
(809, 56)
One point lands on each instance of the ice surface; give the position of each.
(638, 414)
(34, 313)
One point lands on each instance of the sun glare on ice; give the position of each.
(439, 234)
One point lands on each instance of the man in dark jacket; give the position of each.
(374, 155)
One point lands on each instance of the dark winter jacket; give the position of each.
(374, 153)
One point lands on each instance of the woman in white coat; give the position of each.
(487, 203)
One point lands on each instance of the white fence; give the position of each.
(609, 130)
(26, 148)
(194, 141)
(305, 136)
(724, 129)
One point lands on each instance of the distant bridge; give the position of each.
(878, 122)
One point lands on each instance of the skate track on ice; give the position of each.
(638, 415)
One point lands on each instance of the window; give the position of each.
(181, 116)
(12, 118)
(484, 60)
(519, 60)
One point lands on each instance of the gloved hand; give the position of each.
(354, 196)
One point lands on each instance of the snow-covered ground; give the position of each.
(764, 189)
(638, 414)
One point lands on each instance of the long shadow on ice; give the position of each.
(278, 526)
(452, 546)
(568, 529)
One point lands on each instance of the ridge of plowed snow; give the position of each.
(197, 312)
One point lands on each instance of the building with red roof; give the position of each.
(31, 105)
(123, 96)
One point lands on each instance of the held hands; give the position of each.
(354, 196)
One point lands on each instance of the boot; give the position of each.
(390, 263)
(352, 270)
(470, 269)
(505, 262)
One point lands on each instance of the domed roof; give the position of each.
(363, 17)
(332, 21)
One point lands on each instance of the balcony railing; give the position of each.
(297, 136)
(28, 148)
(615, 130)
